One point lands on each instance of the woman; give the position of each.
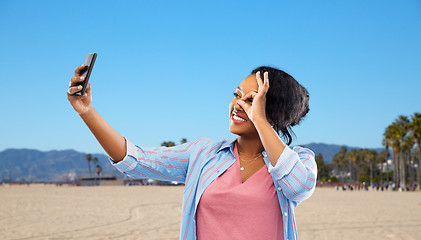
(245, 188)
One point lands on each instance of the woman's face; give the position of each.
(240, 124)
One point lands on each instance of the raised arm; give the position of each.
(271, 141)
(111, 141)
(295, 169)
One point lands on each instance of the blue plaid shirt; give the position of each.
(198, 163)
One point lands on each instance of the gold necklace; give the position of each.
(257, 156)
(248, 161)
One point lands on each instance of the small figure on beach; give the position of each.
(243, 188)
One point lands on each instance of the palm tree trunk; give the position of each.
(396, 170)
(381, 173)
(419, 167)
(89, 167)
(411, 171)
(387, 173)
(342, 173)
(402, 177)
(349, 170)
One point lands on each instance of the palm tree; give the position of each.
(387, 150)
(353, 162)
(407, 145)
(395, 135)
(390, 140)
(415, 161)
(339, 162)
(402, 124)
(89, 159)
(364, 166)
(381, 160)
(370, 158)
(402, 135)
(415, 129)
(98, 169)
(323, 169)
(95, 161)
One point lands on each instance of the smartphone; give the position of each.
(89, 64)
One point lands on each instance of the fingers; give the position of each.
(79, 70)
(246, 107)
(266, 83)
(75, 84)
(263, 86)
(249, 96)
(76, 81)
(73, 90)
(259, 80)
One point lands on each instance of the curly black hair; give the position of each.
(286, 101)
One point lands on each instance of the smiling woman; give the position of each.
(244, 188)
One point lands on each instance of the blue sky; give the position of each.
(166, 70)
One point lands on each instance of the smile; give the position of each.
(237, 118)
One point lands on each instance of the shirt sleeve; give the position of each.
(296, 173)
(165, 163)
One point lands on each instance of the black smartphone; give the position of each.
(89, 64)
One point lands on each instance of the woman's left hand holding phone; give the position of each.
(81, 104)
(111, 141)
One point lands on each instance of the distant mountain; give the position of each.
(34, 165)
(68, 165)
(329, 150)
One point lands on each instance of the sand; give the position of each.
(331, 214)
(153, 212)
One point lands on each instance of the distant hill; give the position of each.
(67, 165)
(34, 165)
(329, 150)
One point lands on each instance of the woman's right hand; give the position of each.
(81, 104)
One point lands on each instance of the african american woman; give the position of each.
(243, 188)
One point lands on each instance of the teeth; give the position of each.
(238, 118)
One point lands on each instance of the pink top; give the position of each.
(230, 209)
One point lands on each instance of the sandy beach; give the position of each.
(153, 212)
